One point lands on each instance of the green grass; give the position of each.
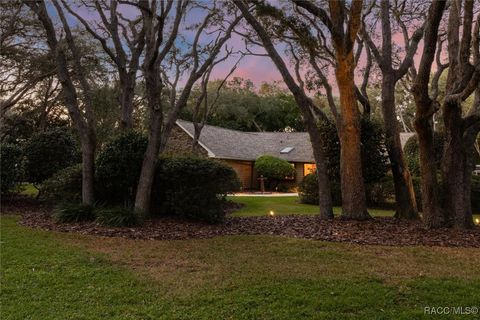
(48, 275)
(28, 189)
(261, 206)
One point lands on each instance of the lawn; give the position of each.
(47, 275)
(261, 206)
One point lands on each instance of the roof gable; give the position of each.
(232, 144)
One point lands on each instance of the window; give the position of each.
(309, 168)
(286, 150)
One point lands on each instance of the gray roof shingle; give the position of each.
(231, 144)
(238, 145)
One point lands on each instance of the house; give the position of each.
(240, 149)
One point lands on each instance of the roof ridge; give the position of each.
(240, 131)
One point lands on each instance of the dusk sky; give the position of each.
(256, 68)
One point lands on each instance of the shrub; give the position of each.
(117, 217)
(65, 185)
(412, 153)
(276, 171)
(48, 152)
(11, 166)
(193, 187)
(73, 212)
(308, 189)
(118, 168)
(382, 192)
(273, 168)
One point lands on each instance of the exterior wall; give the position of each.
(180, 143)
(299, 172)
(243, 170)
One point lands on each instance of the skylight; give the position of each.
(286, 150)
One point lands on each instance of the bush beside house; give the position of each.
(275, 170)
(192, 187)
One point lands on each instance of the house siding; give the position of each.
(243, 170)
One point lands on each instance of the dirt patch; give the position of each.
(378, 231)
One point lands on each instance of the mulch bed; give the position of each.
(378, 231)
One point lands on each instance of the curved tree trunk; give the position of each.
(304, 104)
(432, 214)
(353, 187)
(406, 205)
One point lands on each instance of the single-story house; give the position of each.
(240, 149)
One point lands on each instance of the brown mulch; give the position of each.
(378, 231)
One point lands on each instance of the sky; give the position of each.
(256, 68)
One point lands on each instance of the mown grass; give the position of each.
(261, 206)
(48, 275)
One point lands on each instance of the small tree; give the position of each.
(118, 167)
(48, 152)
(274, 169)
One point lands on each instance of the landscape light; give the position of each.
(477, 221)
(273, 213)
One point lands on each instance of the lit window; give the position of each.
(309, 168)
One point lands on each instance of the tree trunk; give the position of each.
(145, 182)
(324, 191)
(353, 187)
(196, 137)
(456, 170)
(406, 205)
(126, 95)
(88, 164)
(432, 214)
(144, 189)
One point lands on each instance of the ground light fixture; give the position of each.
(271, 213)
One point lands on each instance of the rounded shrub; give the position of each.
(273, 168)
(73, 212)
(65, 185)
(118, 168)
(308, 189)
(11, 166)
(193, 187)
(48, 152)
(117, 217)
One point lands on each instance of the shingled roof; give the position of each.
(224, 143)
